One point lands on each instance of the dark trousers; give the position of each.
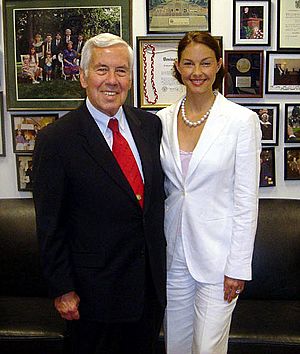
(140, 337)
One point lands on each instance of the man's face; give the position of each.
(108, 79)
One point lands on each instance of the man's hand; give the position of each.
(67, 305)
(232, 288)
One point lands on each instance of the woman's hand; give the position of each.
(232, 288)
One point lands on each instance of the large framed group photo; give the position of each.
(43, 43)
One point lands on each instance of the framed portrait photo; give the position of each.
(244, 73)
(175, 16)
(268, 115)
(24, 172)
(288, 25)
(251, 22)
(43, 43)
(2, 135)
(292, 123)
(267, 167)
(283, 73)
(25, 128)
(292, 163)
(157, 86)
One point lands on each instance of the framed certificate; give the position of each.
(251, 22)
(244, 73)
(157, 87)
(288, 20)
(175, 16)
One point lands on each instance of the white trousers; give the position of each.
(197, 319)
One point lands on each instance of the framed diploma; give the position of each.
(292, 163)
(244, 73)
(268, 115)
(157, 87)
(288, 20)
(283, 73)
(292, 123)
(267, 167)
(251, 22)
(175, 16)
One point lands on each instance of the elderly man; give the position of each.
(98, 192)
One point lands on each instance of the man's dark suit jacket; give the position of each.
(94, 237)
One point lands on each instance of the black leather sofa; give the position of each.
(266, 320)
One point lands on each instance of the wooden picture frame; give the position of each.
(175, 17)
(244, 73)
(292, 163)
(25, 128)
(268, 114)
(251, 23)
(288, 19)
(283, 73)
(292, 123)
(157, 87)
(267, 167)
(27, 22)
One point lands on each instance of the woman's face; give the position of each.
(198, 68)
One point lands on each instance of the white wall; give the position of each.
(221, 26)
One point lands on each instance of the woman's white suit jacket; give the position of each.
(214, 208)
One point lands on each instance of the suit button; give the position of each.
(142, 253)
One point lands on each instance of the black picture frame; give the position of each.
(243, 73)
(292, 163)
(24, 19)
(288, 18)
(282, 73)
(267, 167)
(251, 23)
(175, 17)
(25, 128)
(268, 114)
(2, 129)
(24, 172)
(292, 123)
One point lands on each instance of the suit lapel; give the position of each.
(95, 145)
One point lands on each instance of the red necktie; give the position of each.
(126, 161)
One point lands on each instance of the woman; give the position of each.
(70, 61)
(34, 67)
(210, 153)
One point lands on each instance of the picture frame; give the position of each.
(157, 87)
(244, 73)
(288, 19)
(292, 123)
(175, 17)
(2, 130)
(251, 23)
(25, 128)
(292, 163)
(268, 114)
(29, 23)
(267, 167)
(282, 73)
(24, 172)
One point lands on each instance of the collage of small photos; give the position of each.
(43, 51)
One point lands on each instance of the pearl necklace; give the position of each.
(190, 123)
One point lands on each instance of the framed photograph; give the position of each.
(292, 163)
(2, 135)
(175, 16)
(157, 87)
(283, 73)
(24, 172)
(244, 73)
(251, 22)
(292, 123)
(288, 25)
(267, 167)
(25, 128)
(43, 43)
(268, 115)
